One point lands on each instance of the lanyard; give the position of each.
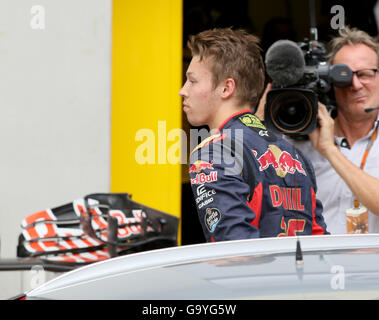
(369, 145)
(368, 148)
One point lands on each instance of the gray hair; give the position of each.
(351, 36)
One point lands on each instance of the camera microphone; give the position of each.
(285, 63)
(371, 109)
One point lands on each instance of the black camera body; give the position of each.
(291, 110)
(301, 77)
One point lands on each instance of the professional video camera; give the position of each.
(300, 77)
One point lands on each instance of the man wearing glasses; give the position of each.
(345, 150)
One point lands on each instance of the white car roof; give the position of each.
(233, 269)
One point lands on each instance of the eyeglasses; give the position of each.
(366, 75)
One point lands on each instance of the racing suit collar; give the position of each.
(232, 116)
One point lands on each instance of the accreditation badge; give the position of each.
(357, 219)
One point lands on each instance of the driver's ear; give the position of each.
(228, 88)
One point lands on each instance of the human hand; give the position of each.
(322, 137)
(260, 113)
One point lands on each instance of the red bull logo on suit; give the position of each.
(281, 161)
(200, 165)
(204, 178)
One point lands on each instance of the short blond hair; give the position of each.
(235, 54)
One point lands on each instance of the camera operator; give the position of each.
(344, 150)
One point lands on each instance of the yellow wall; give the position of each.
(146, 79)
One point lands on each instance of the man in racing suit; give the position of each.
(273, 195)
(247, 182)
